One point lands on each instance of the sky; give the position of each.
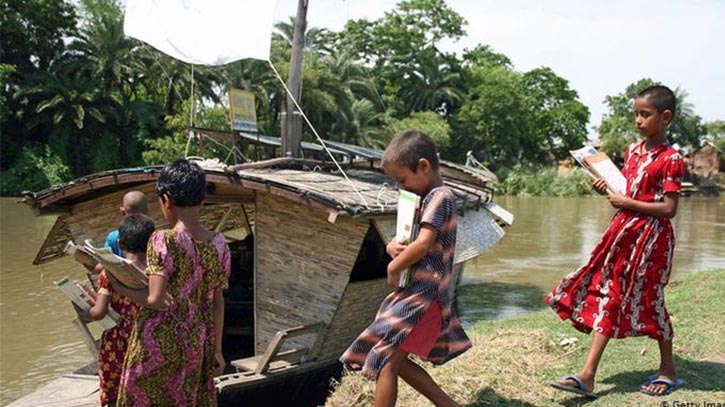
(600, 47)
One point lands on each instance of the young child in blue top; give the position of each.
(133, 202)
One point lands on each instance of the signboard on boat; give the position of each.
(242, 110)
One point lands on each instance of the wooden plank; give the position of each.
(271, 351)
(87, 337)
(281, 360)
(72, 390)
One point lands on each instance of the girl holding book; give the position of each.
(620, 291)
(418, 318)
(133, 236)
(175, 351)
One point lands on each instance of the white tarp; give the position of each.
(204, 32)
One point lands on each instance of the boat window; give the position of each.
(372, 260)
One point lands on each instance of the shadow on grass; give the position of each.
(488, 397)
(495, 300)
(698, 375)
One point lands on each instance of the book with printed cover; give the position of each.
(123, 270)
(598, 165)
(85, 298)
(407, 224)
(120, 268)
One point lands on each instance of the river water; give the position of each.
(551, 236)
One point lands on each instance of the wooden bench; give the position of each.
(272, 359)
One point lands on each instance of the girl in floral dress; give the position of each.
(620, 291)
(133, 236)
(175, 349)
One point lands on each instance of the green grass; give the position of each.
(513, 360)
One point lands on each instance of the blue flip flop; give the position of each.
(671, 386)
(580, 388)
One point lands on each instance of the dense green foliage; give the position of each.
(543, 181)
(72, 82)
(716, 133)
(617, 130)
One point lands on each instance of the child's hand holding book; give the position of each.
(599, 185)
(396, 246)
(598, 166)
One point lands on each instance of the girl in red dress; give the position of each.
(620, 291)
(133, 236)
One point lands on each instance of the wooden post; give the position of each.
(87, 337)
(291, 120)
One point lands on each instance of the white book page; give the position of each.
(612, 175)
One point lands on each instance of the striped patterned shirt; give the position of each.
(403, 308)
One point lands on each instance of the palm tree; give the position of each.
(65, 106)
(366, 124)
(316, 39)
(431, 84)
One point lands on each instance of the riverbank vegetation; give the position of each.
(542, 181)
(72, 82)
(513, 359)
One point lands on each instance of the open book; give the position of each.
(121, 269)
(85, 298)
(407, 225)
(598, 165)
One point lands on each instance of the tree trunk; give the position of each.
(292, 122)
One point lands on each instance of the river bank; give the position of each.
(513, 359)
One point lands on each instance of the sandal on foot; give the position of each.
(580, 388)
(671, 386)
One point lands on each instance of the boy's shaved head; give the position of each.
(135, 202)
(661, 97)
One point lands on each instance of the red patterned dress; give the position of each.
(619, 292)
(114, 341)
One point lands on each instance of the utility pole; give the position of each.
(292, 120)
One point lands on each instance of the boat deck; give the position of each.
(72, 390)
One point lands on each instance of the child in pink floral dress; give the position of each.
(175, 349)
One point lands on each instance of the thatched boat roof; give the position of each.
(366, 192)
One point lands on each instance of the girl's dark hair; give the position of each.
(134, 233)
(661, 97)
(183, 182)
(408, 147)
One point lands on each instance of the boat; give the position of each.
(308, 252)
(307, 237)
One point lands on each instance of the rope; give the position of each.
(322, 142)
(383, 188)
(191, 114)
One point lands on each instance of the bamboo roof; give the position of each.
(369, 192)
